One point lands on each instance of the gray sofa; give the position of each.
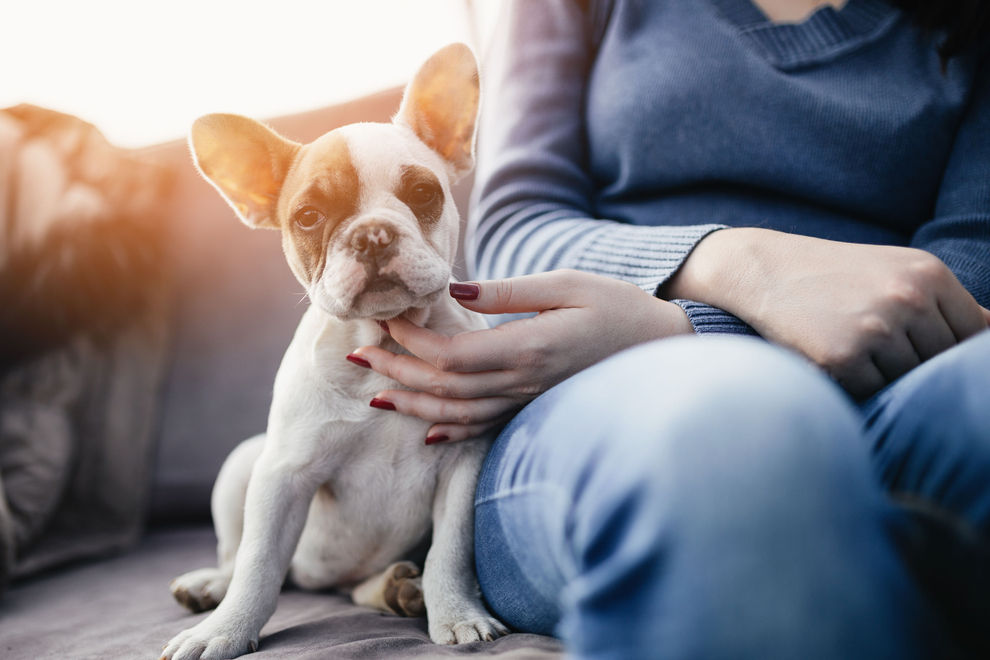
(232, 306)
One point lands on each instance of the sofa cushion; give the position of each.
(122, 608)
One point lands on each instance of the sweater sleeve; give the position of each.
(532, 207)
(959, 233)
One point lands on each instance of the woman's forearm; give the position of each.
(865, 313)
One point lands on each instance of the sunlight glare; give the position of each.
(143, 71)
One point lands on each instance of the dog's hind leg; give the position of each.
(398, 589)
(204, 588)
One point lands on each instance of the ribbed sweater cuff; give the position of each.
(711, 320)
(645, 255)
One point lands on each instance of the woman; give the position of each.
(816, 173)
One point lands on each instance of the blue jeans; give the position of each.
(717, 497)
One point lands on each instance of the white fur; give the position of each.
(336, 491)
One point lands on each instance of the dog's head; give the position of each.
(367, 218)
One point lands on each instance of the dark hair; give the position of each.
(965, 23)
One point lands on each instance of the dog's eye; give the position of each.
(422, 194)
(308, 217)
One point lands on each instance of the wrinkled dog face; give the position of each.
(368, 223)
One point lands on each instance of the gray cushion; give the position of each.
(122, 608)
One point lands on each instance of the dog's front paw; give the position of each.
(473, 627)
(210, 641)
(200, 590)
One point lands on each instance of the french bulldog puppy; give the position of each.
(337, 493)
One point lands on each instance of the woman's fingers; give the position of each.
(527, 293)
(986, 315)
(462, 352)
(961, 312)
(418, 374)
(441, 433)
(480, 350)
(465, 412)
(895, 356)
(930, 336)
(860, 378)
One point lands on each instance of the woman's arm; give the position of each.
(959, 234)
(866, 314)
(533, 208)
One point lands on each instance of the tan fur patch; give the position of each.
(415, 180)
(333, 191)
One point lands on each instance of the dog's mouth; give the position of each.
(383, 284)
(355, 291)
(382, 296)
(385, 297)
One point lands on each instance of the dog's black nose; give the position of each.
(372, 239)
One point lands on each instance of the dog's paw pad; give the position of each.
(403, 569)
(410, 597)
(200, 590)
(403, 589)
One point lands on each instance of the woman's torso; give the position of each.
(840, 126)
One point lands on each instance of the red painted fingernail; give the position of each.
(464, 291)
(359, 361)
(434, 439)
(384, 326)
(382, 404)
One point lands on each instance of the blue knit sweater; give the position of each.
(617, 134)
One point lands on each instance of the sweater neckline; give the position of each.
(826, 33)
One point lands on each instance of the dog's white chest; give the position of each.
(369, 513)
(378, 478)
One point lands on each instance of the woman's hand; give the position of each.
(866, 314)
(473, 381)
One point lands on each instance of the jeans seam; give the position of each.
(520, 490)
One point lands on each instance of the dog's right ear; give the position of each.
(246, 161)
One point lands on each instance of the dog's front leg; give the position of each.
(450, 588)
(275, 508)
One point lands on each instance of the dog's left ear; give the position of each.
(441, 105)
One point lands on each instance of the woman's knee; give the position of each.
(692, 421)
(709, 400)
(712, 427)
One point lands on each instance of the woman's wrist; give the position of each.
(721, 269)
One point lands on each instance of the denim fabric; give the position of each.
(717, 497)
(930, 433)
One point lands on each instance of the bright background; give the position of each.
(143, 71)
